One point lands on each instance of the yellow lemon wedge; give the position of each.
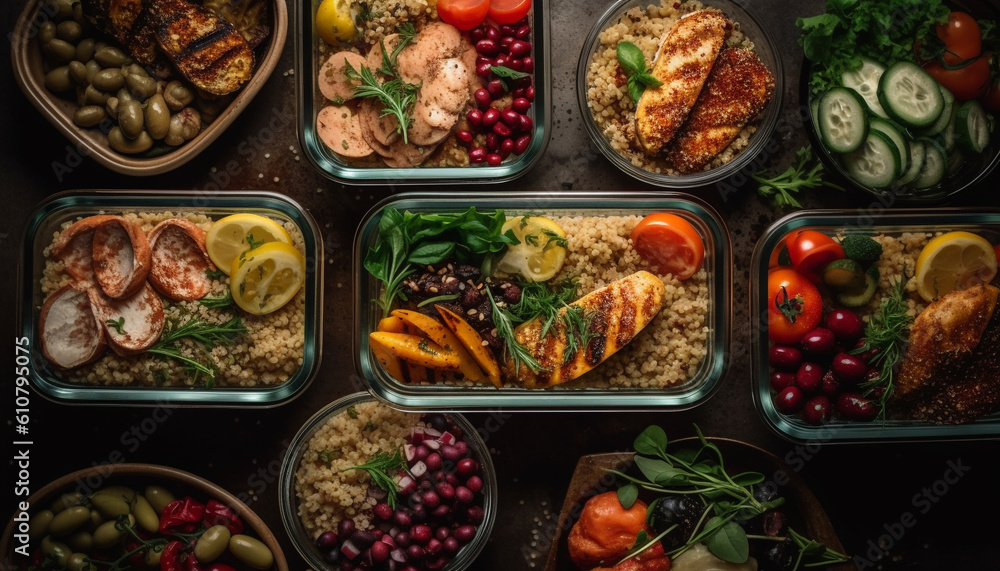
(265, 278)
(955, 260)
(232, 235)
(334, 21)
(542, 250)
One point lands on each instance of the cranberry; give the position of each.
(451, 545)
(819, 341)
(528, 64)
(346, 528)
(494, 159)
(467, 467)
(780, 380)
(445, 491)
(475, 514)
(363, 539)
(383, 511)
(495, 88)
(461, 445)
(490, 117)
(474, 484)
(523, 32)
(849, 368)
(475, 117)
(502, 130)
(525, 124)
(442, 533)
(402, 539)
(520, 104)
(809, 377)
(465, 533)
(433, 461)
(520, 48)
(449, 452)
(464, 137)
(488, 46)
(816, 410)
(784, 357)
(442, 512)
(506, 147)
(433, 547)
(845, 324)
(464, 495)
(420, 533)
(414, 551)
(830, 386)
(521, 144)
(380, 552)
(854, 406)
(789, 400)
(477, 155)
(483, 98)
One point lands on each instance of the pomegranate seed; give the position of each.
(525, 124)
(521, 144)
(517, 93)
(465, 138)
(477, 155)
(465, 533)
(475, 117)
(420, 533)
(506, 147)
(490, 117)
(483, 98)
(502, 60)
(383, 511)
(483, 69)
(464, 495)
(477, 33)
(520, 104)
(528, 65)
(494, 159)
(510, 117)
(529, 93)
(520, 48)
(487, 46)
(380, 552)
(415, 552)
(502, 130)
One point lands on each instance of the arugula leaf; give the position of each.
(633, 62)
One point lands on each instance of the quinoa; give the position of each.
(269, 353)
(613, 110)
(328, 491)
(898, 262)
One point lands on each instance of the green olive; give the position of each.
(110, 56)
(110, 79)
(112, 502)
(64, 8)
(212, 543)
(60, 51)
(89, 116)
(144, 513)
(96, 519)
(79, 562)
(93, 68)
(123, 144)
(85, 50)
(69, 30)
(38, 525)
(82, 540)
(158, 497)
(111, 532)
(69, 520)
(78, 72)
(78, 14)
(142, 86)
(124, 95)
(177, 95)
(66, 500)
(157, 116)
(94, 96)
(135, 69)
(251, 551)
(56, 550)
(112, 107)
(58, 79)
(131, 118)
(46, 32)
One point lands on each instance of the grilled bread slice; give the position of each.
(208, 51)
(617, 313)
(682, 63)
(128, 22)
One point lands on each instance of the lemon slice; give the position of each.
(542, 250)
(334, 21)
(952, 261)
(266, 278)
(231, 236)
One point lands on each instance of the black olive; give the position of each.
(779, 557)
(680, 510)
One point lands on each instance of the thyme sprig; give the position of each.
(207, 335)
(504, 322)
(381, 468)
(886, 336)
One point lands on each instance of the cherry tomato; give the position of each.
(992, 98)
(811, 251)
(508, 11)
(794, 306)
(967, 82)
(463, 14)
(670, 243)
(779, 255)
(962, 38)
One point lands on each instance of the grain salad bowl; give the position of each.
(608, 112)
(142, 355)
(444, 490)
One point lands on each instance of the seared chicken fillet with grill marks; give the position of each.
(617, 312)
(737, 89)
(682, 63)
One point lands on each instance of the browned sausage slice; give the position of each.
(339, 127)
(179, 260)
(121, 257)
(333, 81)
(132, 324)
(75, 245)
(70, 333)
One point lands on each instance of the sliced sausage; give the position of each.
(374, 58)
(74, 247)
(333, 81)
(468, 54)
(435, 41)
(132, 324)
(179, 260)
(339, 127)
(70, 333)
(375, 129)
(121, 257)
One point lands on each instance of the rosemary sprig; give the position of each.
(205, 334)
(380, 469)
(553, 307)
(218, 302)
(396, 96)
(886, 333)
(504, 322)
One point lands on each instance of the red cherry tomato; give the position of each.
(966, 82)
(463, 14)
(811, 251)
(508, 11)
(670, 243)
(963, 40)
(794, 306)
(779, 255)
(991, 101)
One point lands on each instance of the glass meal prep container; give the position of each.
(53, 383)
(702, 379)
(309, 60)
(909, 231)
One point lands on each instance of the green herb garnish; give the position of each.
(552, 307)
(328, 456)
(887, 332)
(807, 172)
(117, 324)
(218, 302)
(632, 60)
(380, 468)
(504, 322)
(504, 73)
(205, 335)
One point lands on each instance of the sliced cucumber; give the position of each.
(842, 120)
(864, 81)
(949, 135)
(917, 152)
(943, 119)
(935, 165)
(875, 163)
(910, 95)
(972, 127)
(895, 134)
(814, 114)
(860, 296)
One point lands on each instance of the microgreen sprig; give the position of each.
(807, 172)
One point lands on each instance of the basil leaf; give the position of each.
(630, 57)
(508, 73)
(648, 79)
(729, 543)
(635, 89)
(627, 495)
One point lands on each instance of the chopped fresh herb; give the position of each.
(504, 322)
(117, 324)
(254, 243)
(328, 456)
(352, 412)
(552, 306)
(807, 172)
(218, 302)
(632, 60)
(215, 274)
(504, 73)
(382, 468)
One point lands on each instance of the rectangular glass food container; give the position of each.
(984, 222)
(700, 387)
(71, 205)
(308, 62)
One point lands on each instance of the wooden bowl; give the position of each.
(180, 482)
(27, 62)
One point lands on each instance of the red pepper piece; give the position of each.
(182, 516)
(218, 513)
(170, 558)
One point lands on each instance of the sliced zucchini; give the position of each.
(935, 165)
(910, 95)
(917, 152)
(842, 120)
(972, 127)
(875, 164)
(895, 134)
(864, 81)
(943, 119)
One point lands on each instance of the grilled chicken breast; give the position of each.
(682, 63)
(617, 313)
(737, 89)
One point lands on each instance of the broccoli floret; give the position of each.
(863, 249)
